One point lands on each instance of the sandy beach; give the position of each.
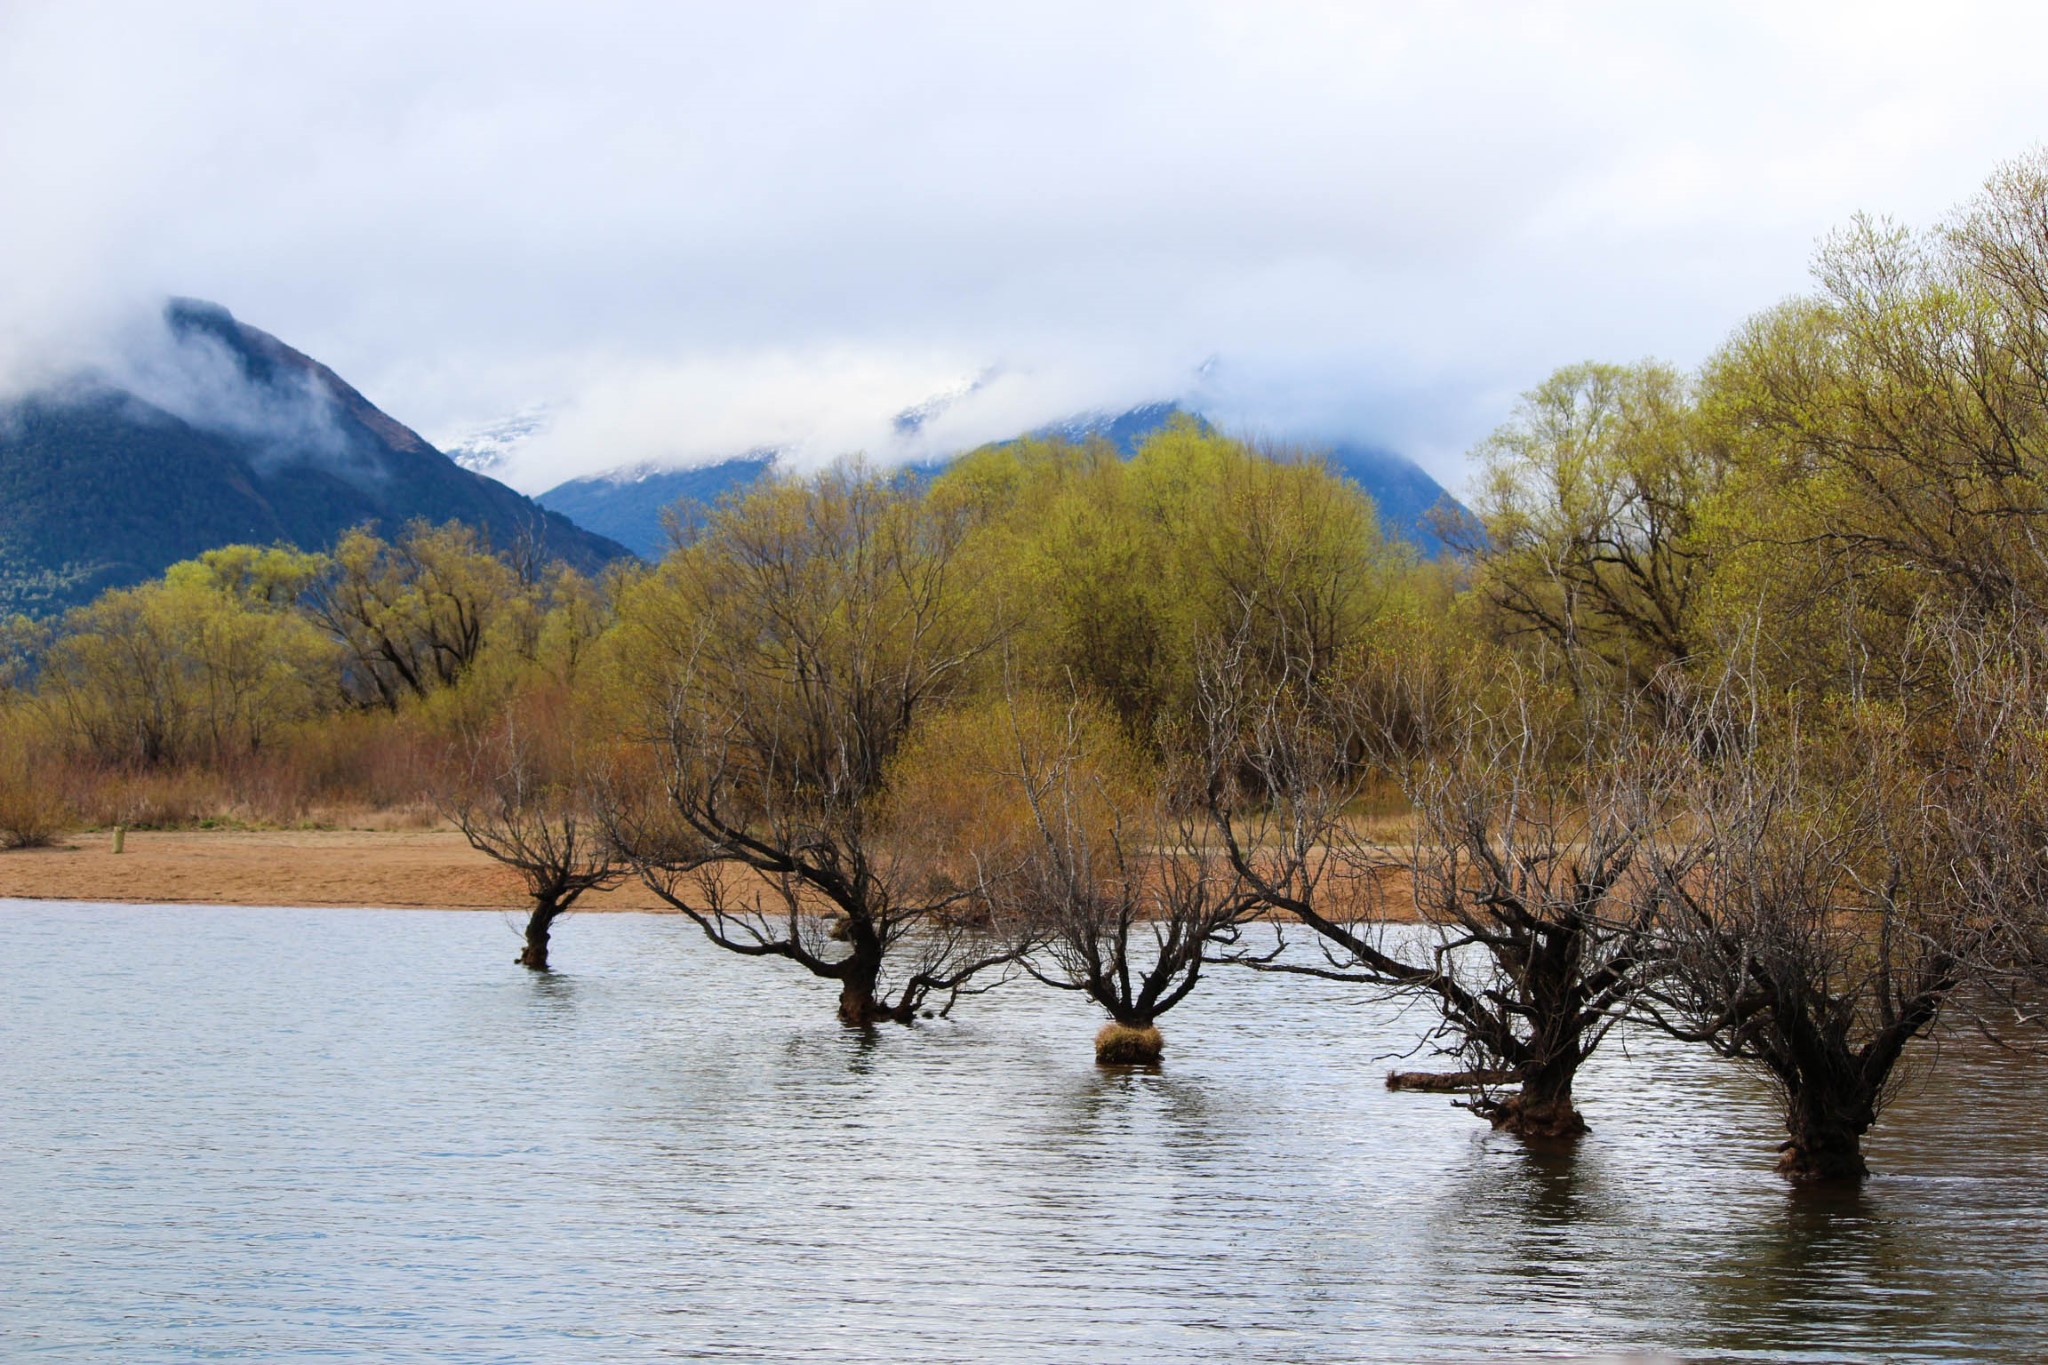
(434, 869)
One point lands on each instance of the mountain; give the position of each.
(1409, 501)
(1402, 491)
(222, 433)
(627, 505)
(1125, 430)
(486, 450)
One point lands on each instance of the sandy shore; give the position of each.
(403, 868)
(408, 869)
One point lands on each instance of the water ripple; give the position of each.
(289, 1135)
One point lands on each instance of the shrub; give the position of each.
(32, 811)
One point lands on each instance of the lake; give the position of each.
(286, 1135)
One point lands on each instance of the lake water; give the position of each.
(286, 1135)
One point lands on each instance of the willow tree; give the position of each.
(522, 784)
(210, 663)
(774, 668)
(1831, 921)
(414, 614)
(1593, 508)
(32, 811)
(1122, 568)
(1889, 433)
(1519, 911)
(1093, 865)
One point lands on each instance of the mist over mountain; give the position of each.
(208, 431)
(486, 450)
(201, 430)
(627, 505)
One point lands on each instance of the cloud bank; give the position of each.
(697, 229)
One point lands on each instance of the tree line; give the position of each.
(1723, 719)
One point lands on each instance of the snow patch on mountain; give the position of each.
(489, 449)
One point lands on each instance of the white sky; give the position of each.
(700, 228)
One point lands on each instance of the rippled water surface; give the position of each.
(311, 1134)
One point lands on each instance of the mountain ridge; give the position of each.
(627, 504)
(226, 434)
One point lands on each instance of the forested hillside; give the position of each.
(102, 487)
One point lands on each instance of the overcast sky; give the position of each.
(696, 229)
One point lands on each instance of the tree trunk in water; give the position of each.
(535, 955)
(858, 1007)
(1825, 1142)
(1542, 1108)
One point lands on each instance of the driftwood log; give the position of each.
(1448, 1080)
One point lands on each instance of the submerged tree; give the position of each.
(777, 666)
(1849, 890)
(1527, 870)
(521, 793)
(1524, 875)
(1098, 876)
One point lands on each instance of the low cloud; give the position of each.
(290, 417)
(698, 230)
(196, 378)
(815, 406)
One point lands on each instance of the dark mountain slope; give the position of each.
(627, 506)
(1408, 499)
(1125, 430)
(102, 487)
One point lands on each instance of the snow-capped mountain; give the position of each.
(488, 450)
(912, 421)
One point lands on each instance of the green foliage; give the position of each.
(1890, 442)
(1123, 573)
(412, 615)
(804, 631)
(272, 579)
(203, 665)
(1592, 507)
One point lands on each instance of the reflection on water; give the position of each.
(288, 1134)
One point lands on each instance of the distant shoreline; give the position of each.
(433, 869)
(366, 869)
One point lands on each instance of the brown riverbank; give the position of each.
(434, 869)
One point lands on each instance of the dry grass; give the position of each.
(33, 811)
(346, 772)
(32, 814)
(1122, 1045)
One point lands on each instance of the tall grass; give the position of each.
(33, 811)
(357, 771)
